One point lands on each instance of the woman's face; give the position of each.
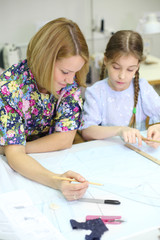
(65, 71)
(121, 72)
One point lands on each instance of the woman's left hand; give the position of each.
(71, 190)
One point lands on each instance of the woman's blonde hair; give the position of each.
(125, 42)
(58, 39)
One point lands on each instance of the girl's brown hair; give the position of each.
(60, 38)
(125, 42)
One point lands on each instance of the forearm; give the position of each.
(52, 142)
(101, 132)
(29, 167)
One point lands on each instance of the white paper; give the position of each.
(20, 220)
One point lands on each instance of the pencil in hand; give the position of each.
(74, 180)
(150, 140)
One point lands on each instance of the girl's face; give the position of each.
(121, 72)
(65, 70)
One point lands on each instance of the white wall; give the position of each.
(124, 14)
(19, 18)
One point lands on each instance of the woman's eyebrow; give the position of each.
(68, 70)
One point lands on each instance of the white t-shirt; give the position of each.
(107, 107)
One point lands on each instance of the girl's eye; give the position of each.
(116, 67)
(64, 72)
(130, 70)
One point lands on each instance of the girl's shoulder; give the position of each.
(144, 84)
(101, 84)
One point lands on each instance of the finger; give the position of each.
(125, 137)
(77, 176)
(139, 138)
(151, 144)
(74, 195)
(78, 186)
(68, 188)
(150, 134)
(132, 138)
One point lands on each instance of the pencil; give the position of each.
(150, 140)
(74, 180)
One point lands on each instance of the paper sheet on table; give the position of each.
(121, 170)
(20, 220)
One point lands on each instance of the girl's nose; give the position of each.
(121, 75)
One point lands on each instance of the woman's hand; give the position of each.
(154, 134)
(131, 135)
(71, 190)
(30, 168)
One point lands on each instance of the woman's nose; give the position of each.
(69, 80)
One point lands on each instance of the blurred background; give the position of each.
(98, 20)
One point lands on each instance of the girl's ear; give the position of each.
(105, 60)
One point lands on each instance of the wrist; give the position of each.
(119, 131)
(56, 181)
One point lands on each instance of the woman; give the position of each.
(40, 103)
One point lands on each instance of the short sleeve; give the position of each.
(12, 124)
(12, 128)
(92, 107)
(69, 112)
(150, 101)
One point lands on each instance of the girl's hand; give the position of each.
(130, 135)
(72, 190)
(153, 133)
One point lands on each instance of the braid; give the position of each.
(136, 92)
(102, 73)
(125, 43)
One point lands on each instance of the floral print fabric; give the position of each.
(26, 114)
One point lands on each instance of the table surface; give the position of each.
(151, 70)
(127, 176)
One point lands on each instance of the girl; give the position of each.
(119, 104)
(41, 104)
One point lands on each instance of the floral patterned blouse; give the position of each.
(26, 114)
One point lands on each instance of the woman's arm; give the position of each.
(101, 132)
(52, 142)
(30, 168)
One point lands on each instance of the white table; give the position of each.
(126, 175)
(151, 70)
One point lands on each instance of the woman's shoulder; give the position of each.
(16, 83)
(17, 73)
(70, 89)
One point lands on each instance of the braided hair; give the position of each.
(125, 42)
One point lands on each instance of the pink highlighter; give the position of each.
(106, 219)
